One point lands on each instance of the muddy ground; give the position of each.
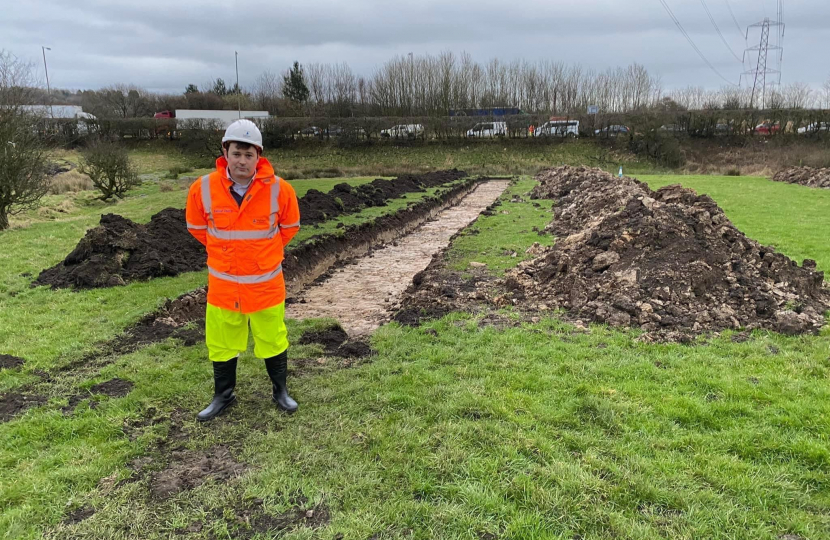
(669, 262)
(364, 294)
(805, 176)
(8, 361)
(119, 250)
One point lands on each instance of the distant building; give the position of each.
(58, 111)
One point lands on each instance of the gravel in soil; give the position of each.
(669, 262)
(805, 176)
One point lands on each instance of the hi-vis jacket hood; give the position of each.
(245, 243)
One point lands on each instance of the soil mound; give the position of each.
(120, 250)
(806, 176)
(316, 206)
(668, 261)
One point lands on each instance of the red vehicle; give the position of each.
(165, 114)
(767, 128)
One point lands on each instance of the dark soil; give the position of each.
(113, 388)
(669, 262)
(253, 519)
(316, 207)
(12, 404)
(806, 176)
(169, 321)
(78, 515)
(335, 343)
(330, 338)
(189, 469)
(354, 349)
(8, 361)
(119, 251)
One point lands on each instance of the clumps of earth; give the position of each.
(119, 250)
(667, 261)
(316, 206)
(805, 176)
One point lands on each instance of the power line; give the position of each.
(692, 43)
(737, 24)
(717, 28)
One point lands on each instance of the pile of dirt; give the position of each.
(806, 176)
(120, 250)
(316, 206)
(669, 262)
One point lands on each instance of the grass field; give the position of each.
(312, 160)
(454, 429)
(792, 218)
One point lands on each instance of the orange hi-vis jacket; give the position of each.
(244, 242)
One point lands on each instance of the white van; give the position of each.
(403, 131)
(488, 130)
(558, 128)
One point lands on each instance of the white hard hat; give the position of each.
(243, 131)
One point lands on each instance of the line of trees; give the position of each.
(431, 85)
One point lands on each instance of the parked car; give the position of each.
(613, 131)
(333, 131)
(558, 128)
(767, 128)
(724, 129)
(815, 127)
(673, 128)
(488, 130)
(403, 131)
(310, 131)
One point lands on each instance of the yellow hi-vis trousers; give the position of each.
(226, 332)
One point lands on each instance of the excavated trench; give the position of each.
(362, 293)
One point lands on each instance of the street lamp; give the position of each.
(238, 95)
(48, 90)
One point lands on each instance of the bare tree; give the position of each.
(17, 81)
(798, 95)
(267, 91)
(825, 90)
(23, 160)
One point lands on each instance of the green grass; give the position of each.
(454, 430)
(792, 218)
(313, 160)
(494, 240)
(51, 328)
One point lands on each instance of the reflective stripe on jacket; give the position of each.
(245, 243)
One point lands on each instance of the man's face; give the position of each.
(241, 163)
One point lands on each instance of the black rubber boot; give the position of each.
(224, 380)
(277, 367)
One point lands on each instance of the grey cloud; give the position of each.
(165, 45)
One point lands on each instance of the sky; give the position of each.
(163, 45)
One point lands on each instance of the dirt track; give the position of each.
(361, 295)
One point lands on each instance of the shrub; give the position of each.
(70, 181)
(108, 166)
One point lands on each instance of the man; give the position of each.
(245, 215)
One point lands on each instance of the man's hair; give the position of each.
(240, 145)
